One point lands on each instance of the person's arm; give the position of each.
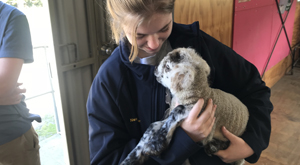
(239, 77)
(237, 150)
(16, 49)
(10, 69)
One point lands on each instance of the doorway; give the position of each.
(37, 78)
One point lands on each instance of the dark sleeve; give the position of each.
(16, 41)
(109, 140)
(236, 75)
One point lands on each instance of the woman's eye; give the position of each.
(164, 30)
(140, 36)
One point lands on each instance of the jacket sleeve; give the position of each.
(109, 141)
(235, 75)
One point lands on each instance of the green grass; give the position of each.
(48, 129)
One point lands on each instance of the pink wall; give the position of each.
(255, 30)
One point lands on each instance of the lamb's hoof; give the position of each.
(210, 149)
(215, 145)
(239, 162)
(224, 145)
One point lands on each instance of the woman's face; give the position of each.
(152, 33)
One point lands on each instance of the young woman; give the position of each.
(125, 97)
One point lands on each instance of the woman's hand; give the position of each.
(238, 148)
(199, 127)
(15, 97)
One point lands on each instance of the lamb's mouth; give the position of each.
(158, 79)
(155, 71)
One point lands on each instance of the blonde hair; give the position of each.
(130, 14)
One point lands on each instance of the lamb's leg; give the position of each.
(161, 139)
(156, 138)
(139, 154)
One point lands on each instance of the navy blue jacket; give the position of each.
(125, 98)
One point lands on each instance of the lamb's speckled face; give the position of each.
(164, 69)
(178, 68)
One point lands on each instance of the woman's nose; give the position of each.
(153, 41)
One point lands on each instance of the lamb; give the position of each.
(185, 74)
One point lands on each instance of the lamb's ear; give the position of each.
(205, 67)
(182, 79)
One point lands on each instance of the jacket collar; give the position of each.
(142, 72)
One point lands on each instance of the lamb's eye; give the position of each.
(168, 67)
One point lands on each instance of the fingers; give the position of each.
(230, 136)
(212, 113)
(16, 99)
(220, 153)
(196, 109)
(208, 113)
(19, 84)
(209, 123)
(212, 117)
(19, 90)
(199, 127)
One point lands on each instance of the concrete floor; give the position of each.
(51, 151)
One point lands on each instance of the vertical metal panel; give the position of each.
(103, 35)
(75, 43)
